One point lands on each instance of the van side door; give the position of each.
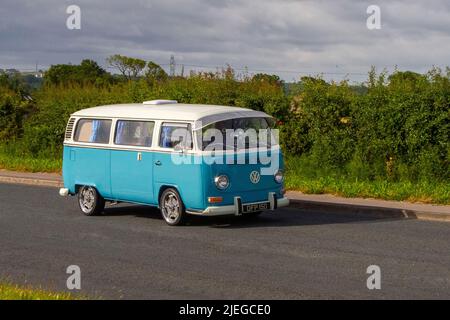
(132, 161)
(174, 163)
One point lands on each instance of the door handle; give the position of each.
(158, 163)
(139, 156)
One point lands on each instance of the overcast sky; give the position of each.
(285, 37)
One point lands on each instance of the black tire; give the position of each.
(91, 203)
(172, 207)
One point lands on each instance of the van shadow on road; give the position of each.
(286, 217)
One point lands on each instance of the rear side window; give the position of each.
(93, 131)
(134, 133)
(175, 135)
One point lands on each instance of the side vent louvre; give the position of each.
(69, 128)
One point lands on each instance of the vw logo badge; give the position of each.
(254, 177)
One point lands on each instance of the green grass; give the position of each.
(12, 159)
(30, 164)
(14, 292)
(301, 179)
(437, 193)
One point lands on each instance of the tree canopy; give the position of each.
(129, 67)
(86, 72)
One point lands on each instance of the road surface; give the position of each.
(130, 252)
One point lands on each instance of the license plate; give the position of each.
(247, 208)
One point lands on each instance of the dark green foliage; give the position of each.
(269, 78)
(14, 105)
(404, 125)
(155, 73)
(88, 72)
(398, 130)
(10, 115)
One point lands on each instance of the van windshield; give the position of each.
(240, 133)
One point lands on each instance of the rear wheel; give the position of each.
(90, 201)
(172, 208)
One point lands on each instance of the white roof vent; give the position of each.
(158, 102)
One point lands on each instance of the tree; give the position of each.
(406, 76)
(86, 72)
(129, 67)
(268, 78)
(155, 73)
(14, 104)
(90, 69)
(14, 82)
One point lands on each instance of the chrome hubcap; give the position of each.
(170, 207)
(87, 199)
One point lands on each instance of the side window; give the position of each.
(175, 134)
(134, 133)
(93, 131)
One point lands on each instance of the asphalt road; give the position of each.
(292, 254)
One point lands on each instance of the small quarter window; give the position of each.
(175, 135)
(134, 133)
(93, 131)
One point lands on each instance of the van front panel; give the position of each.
(186, 177)
(240, 182)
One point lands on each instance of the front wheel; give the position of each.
(90, 201)
(172, 208)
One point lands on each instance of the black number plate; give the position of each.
(247, 208)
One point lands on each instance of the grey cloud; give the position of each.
(313, 36)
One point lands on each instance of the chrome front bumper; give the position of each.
(236, 209)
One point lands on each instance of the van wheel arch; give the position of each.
(164, 188)
(171, 206)
(90, 201)
(77, 188)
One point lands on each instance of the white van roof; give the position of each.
(202, 115)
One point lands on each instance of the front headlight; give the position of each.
(222, 182)
(278, 176)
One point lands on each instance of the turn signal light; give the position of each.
(215, 199)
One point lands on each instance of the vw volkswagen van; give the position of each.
(156, 154)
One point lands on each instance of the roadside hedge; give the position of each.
(395, 128)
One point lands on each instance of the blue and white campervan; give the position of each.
(161, 153)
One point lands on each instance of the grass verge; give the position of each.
(14, 292)
(10, 159)
(425, 192)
